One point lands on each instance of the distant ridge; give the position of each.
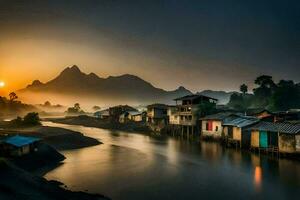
(127, 88)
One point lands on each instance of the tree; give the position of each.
(47, 104)
(285, 96)
(244, 88)
(96, 108)
(75, 109)
(206, 108)
(12, 96)
(17, 122)
(264, 81)
(237, 102)
(32, 119)
(264, 91)
(77, 106)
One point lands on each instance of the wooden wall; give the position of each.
(237, 133)
(287, 143)
(255, 139)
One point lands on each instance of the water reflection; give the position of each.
(133, 166)
(257, 178)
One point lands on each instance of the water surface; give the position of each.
(134, 166)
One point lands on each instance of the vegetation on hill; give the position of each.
(31, 119)
(11, 106)
(279, 96)
(75, 110)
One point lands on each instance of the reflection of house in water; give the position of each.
(19, 145)
(292, 175)
(211, 151)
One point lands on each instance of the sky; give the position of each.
(199, 44)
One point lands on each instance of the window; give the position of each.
(217, 128)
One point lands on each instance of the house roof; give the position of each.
(134, 113)
(193, 96)
(20, 141)
(282, 127)
(256, 111)
(220, 116)
(102, 112)
(242, 121)
(158, 105)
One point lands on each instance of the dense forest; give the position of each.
(280, 96)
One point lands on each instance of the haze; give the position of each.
(198, 44)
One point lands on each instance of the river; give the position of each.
(135, 166)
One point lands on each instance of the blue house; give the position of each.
(20, 145)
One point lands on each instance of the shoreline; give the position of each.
(87, 121)
(32, 187)
(28, 171)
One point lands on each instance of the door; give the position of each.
(230, 131)
(263, 139)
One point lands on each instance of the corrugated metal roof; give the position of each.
(134, 113)
(20, 141)
(158, 106)
(242, 121)
(102, 112)
(220, 116)
(282, 127)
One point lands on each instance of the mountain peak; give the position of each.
(35, 83)
(71, 70)
(181, 88)
(75, 68)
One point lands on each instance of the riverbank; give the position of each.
(136, 127)
(18, 184)
(59, 138)
(19, 179)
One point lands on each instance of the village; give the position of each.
(256, 130)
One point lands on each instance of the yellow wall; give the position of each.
(237, 133)
(297, 143)
(255, 139)
(287, 143)
(225, 131)
(214, 133)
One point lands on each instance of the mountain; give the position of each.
(75, 84)
(222, 96)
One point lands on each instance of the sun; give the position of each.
(2, 84)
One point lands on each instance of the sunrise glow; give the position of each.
(2, 84)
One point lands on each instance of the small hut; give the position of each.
(19, 145)
(283, 136)
(235, 131)
(211, 125)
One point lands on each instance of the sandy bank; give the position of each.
(83, 120)
(59, 138)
